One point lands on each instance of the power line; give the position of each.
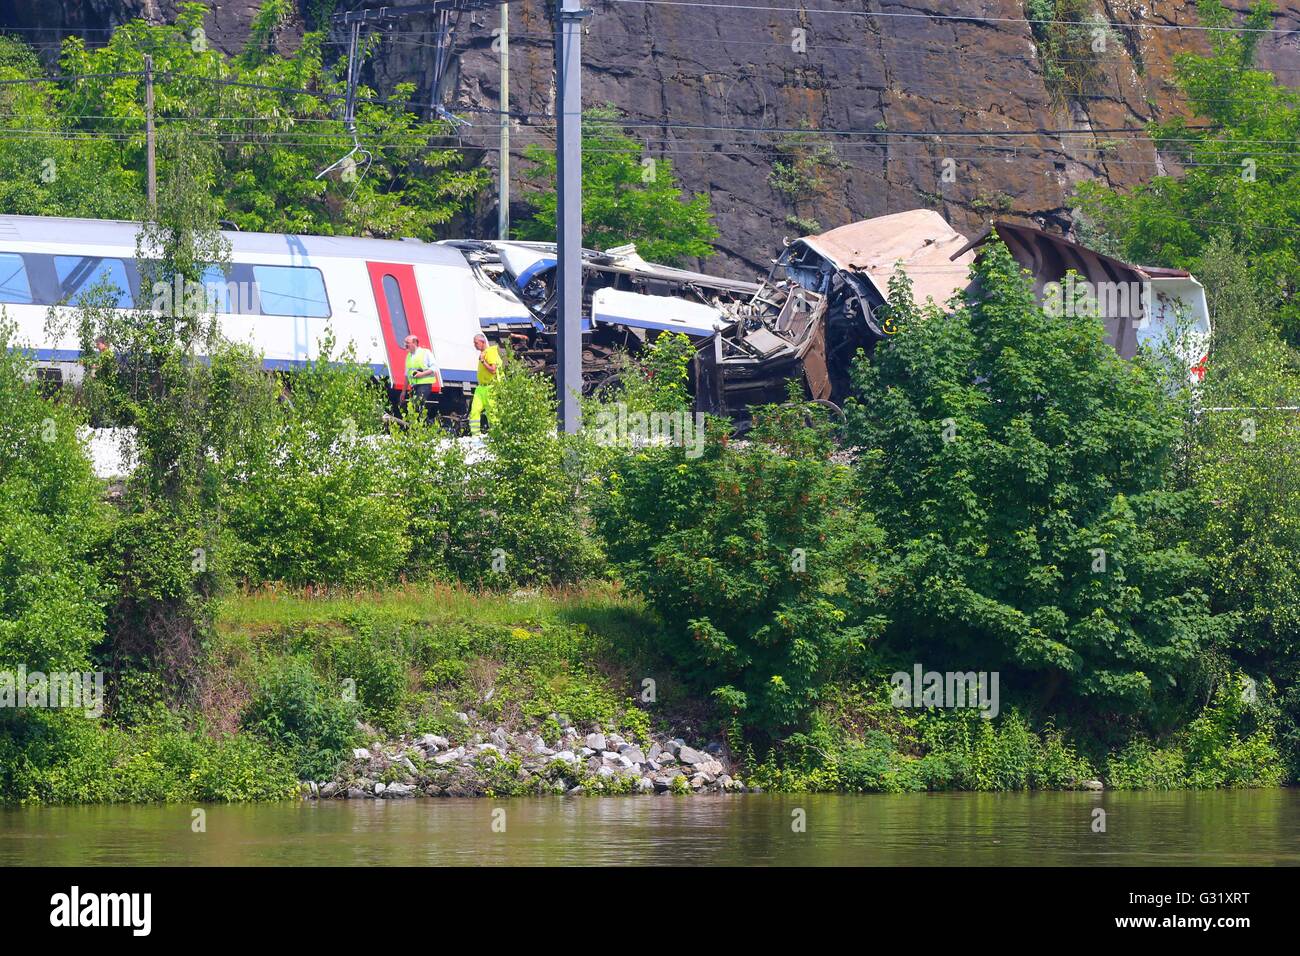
(1130, 134)
(877, 41)
(599, 33)
(302, 139)
(965, 18)
(629, 122)
(772, 8)
(69, 77)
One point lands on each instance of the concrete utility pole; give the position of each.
(151, 165)
(503, 167)
(568, 154)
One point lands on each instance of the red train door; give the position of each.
(400, 313)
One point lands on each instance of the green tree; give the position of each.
(78, 148)
(51, 521)
(47, 166)
(52, 524)
(520, 518)
(626, 197)
(749, 554)
(1240, 179)
(1245, 467)
(1018, 464)
(182, 396)
(1243, 464)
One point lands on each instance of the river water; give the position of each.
(1177, 829)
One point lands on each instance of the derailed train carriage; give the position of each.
(282, 294)
(825, 299)
(820, 304)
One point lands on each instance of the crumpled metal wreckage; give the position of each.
(823, 300)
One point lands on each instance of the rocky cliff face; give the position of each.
(946, 112)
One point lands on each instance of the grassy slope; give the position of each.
(581, 652)
(584, 653)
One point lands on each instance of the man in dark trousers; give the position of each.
(422, 376)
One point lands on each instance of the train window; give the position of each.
(80, 275)
(14, 286)
(291, 290)
(217, 290)
(396, 309)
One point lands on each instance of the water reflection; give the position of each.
(948, 829)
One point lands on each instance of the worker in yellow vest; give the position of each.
(422, 375)
(489, 368)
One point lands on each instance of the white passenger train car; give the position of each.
(280, 294)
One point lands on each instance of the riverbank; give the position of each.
(465, 693)
(432, 690)
(462, 694)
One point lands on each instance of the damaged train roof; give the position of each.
(827, 295)
(920, 242)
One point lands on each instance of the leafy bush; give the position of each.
(294, 710)
(51, 592)
(65, 758)
(1141, 766)
(51, 521)
(1226, 745)
(1024, 465)
(1066, 34)
(1244, 469)
(240, 769)
(748, 554)
(429, 477)
(379, 673)
(315, 503)
(659, 379)
(520, 519)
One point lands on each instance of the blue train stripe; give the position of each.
(273, 365)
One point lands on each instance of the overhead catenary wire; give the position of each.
(883, 136)
(967, 18)
(290, 137)
(599, 32)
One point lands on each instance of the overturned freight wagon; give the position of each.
(824, 300)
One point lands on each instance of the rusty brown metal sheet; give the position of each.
(815, 370)
(1048, 258)
(920, 242)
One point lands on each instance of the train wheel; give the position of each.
(602, 386)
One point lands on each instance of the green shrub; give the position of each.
(242, 768)
(315, 502)
(51, 521)
(1226, 745)
(429, 479)
(295, 711)
(520, 521)
(66, 758)
(1141, 766)
(380, 675)
(752, 556)
(659, 380)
